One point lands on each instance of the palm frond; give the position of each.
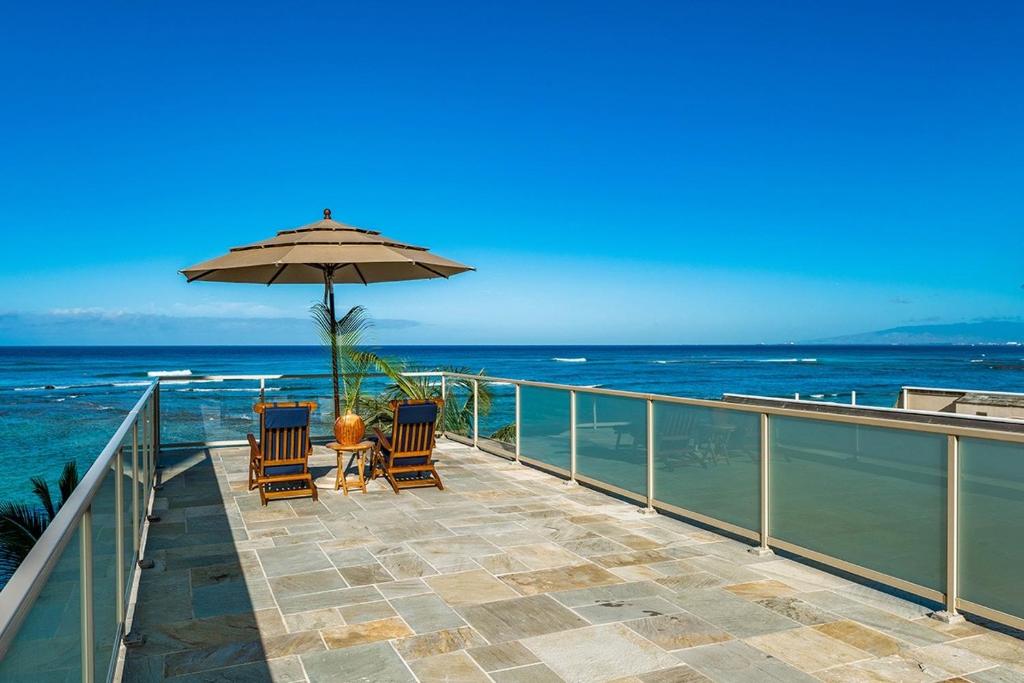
(42, 491)
(21, 525)
(67, 482)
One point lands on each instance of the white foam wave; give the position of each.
(786, 360)
(251, 390)
(569, 360)
(169, 373)
(131, 384)
(667, 362)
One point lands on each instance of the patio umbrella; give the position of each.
(325, 252)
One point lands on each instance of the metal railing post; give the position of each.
(572, 438)
(85, 590)
(853, 398)
(444, 405)
(518, 428)
(649, 510)
(136, 539)
(950, 614)
(476, 413)
(119, 532)
(145, 466)
(762, 548)
(156, 418)
(263, 388)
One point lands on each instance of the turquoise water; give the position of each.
(62, 403)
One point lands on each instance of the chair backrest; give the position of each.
(412, 430)
(284, 430)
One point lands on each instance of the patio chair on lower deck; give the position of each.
(408, 452)
(279, 462)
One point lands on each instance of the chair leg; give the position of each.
(312, 487)
(263, 494)
(391, 480)
(437, 478)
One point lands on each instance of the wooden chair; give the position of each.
(408, 452)
(279, 462)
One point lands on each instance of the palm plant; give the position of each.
(21, 524)
(457, 415)
(350, 363)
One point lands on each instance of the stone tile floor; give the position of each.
(508, 575)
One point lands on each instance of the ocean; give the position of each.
(61, 403)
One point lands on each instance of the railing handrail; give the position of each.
(904, 425)
(894, 411)
(185, 379)
(21, 591)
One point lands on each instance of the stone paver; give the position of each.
(505, 576)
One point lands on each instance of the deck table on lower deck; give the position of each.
(507, 575)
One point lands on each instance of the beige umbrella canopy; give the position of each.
(325, 252)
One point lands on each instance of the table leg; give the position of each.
(339, 475)
(362, 465)
(342, 471)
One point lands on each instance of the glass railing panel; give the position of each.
(48, 646)
(992, 524)
(104, 575)
(544, 425)
(611, 440)
(707, 460)
(498, 417)
(199, 410)
(872, 496)
(458, 408)
(128, 556)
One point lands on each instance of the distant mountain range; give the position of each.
(984, 332)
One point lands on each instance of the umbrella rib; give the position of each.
(359, 273)
(193, 278)
(277, 274)
(431, 270)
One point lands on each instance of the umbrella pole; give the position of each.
(329, 295)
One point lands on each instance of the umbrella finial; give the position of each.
(327, 214)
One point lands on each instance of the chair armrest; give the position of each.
(382, 438)
(254, 448)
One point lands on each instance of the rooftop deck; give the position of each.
(507, 575)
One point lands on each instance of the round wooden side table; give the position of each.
(358, 452)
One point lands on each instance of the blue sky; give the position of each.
(618, 172)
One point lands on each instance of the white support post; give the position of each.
(950, 615)
(762, 549)
(476, 413)
(119, 533)
(797, 396)
(85, 594)
(444, 405)
(853, 398)
(518, 427)
(145, 466)
(649, 510)
(572, 440)
(136, 538)
(263, 388)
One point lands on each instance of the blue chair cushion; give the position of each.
(285, 418)
(417, 413)
(278, 470)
